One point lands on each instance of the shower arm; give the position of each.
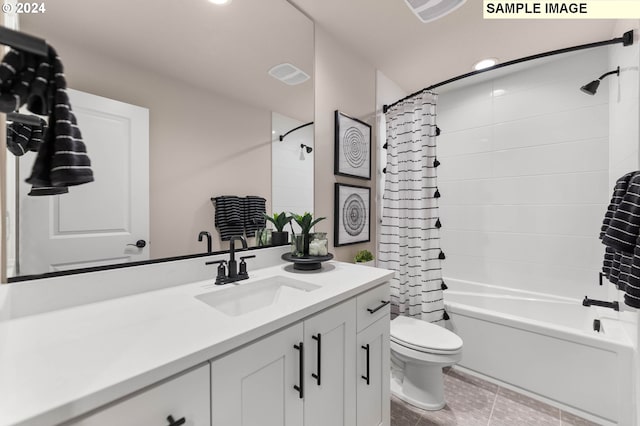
(616, 71)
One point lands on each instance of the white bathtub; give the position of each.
(546, 346)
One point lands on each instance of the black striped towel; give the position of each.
(40, 83)
(229, 216)
(254, 209)
(621, 234)
(22, 138)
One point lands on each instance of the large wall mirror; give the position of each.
(198, 73)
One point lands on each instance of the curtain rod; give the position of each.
(293, 130)
(626, 40)
(22, 41)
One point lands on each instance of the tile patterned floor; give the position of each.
(474, 402)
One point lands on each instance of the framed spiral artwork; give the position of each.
(352, 214)
(353, 147)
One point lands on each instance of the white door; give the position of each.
(94, 223)
(254, 386)
(373, 375)
(329, 339)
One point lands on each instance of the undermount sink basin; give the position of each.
(247, 297)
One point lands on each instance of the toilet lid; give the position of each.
(423, 336)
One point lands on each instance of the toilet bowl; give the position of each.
(419, 351)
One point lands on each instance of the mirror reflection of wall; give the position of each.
(203, 76)
(292, 161)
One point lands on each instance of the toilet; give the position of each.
(419, 351)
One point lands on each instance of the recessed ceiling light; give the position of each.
(220, 2)
(485, 63)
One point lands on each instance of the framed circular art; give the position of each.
(352, 147)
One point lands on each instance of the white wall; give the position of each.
(524, 177)
(346, 82)
(291, 176)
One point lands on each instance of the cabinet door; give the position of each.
(185, 397)
(373, 403)
(329, 341)
(254, 386)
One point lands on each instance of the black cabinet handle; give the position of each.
(178, 422)
(318, 338)
(366, 348)
(300, 388)
(384, 303)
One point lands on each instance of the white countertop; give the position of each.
(57, 365)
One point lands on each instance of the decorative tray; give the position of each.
(306, 263)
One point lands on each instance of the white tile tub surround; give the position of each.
(49, 294)
(524, 177)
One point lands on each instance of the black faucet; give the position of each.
(208, 235)
(588, 302)
(233, 274)
(233, 265)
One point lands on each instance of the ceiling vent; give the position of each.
(430, 10)
(289, 74)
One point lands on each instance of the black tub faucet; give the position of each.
(589, 302)
(208, 235)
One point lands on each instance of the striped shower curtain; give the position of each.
(409, 235)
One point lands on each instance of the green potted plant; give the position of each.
(364, 257)
(279, 220)
(301, 242)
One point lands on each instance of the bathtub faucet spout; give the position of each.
(613, 305)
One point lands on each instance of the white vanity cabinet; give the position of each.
(314, 373)
(185, 399)
(373, 399)
(254, 386)
(330, 380)
(302, 375)
(373, 358)
(289, 352)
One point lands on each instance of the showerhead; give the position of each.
(592, 88)
(304, 148)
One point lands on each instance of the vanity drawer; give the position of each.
(186, 396)
(373, 305)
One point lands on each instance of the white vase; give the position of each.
(368, 263)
